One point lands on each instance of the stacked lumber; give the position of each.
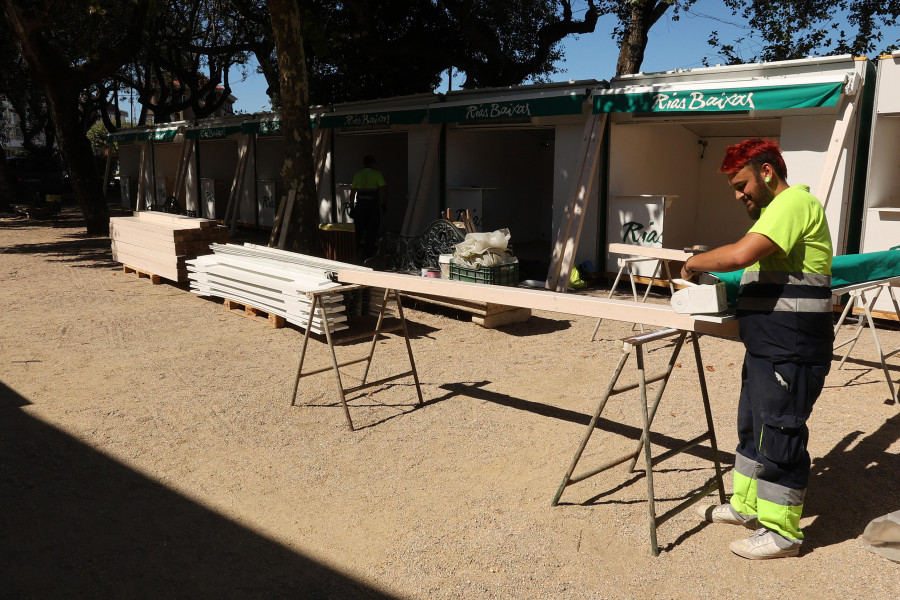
(271, 280)
(160, 243)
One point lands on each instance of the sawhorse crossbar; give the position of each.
(864, 295)
(316, 303)
(636, 344)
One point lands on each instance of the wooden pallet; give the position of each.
(154, 279)
(276, 321)
(486, 314)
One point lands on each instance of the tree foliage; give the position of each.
(67, 48)
(363, 49)
(791, 29)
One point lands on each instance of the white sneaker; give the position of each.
(765, 543)
(725, 513)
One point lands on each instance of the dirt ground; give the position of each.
(150, 450)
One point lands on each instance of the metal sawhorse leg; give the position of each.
(316, 303)
(626, 264)
(636, 344)
(858, 296)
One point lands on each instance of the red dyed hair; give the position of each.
(756, 151)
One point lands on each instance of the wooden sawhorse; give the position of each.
(661, 256)
(317, 303)
(636, 344)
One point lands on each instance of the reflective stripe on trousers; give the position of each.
(771, 463)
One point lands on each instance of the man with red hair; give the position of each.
(784, 312)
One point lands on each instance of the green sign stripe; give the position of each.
(374, 119)
(270, 127)
(211, 133)
(263, 127)
(121, 136)
(810, 95)
(511, 109)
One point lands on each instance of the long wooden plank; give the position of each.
(414, 216)
(588, 306)
(142, 174)
(835, 147)
(127, 225)
(197, 248)
(661, 253)
(181, 221)
(570, 228)
(583, 195)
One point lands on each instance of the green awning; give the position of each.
(158, 135)
(211, 132)
(269, 126)
(718, 100)
(123, 135)
(569, 104)
(374, 119)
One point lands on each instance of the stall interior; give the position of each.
(390, 149)
(269, 183)
(665, 188)
(166, 158)
(129, 167)
(218, 161)
(505, 176)
(882, 219)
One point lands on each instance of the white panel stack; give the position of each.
(271, 280)
(160, 243)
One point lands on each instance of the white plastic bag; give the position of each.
(882, 536)
(483, 249)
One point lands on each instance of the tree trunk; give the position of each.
(6, 186)
(76, 148)
(298, 171)
(644, 14)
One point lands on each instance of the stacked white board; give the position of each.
(271, 280)
(161, 243)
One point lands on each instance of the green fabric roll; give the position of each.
(845, 270)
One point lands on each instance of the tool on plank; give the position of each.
(707, 297)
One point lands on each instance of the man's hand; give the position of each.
(686, 273)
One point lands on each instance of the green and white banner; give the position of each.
(211, 132)
(739, 99)
(569, 104)
(373, 119)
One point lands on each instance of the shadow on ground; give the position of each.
(853, 484)
(75, 523)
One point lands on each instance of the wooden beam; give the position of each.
(106, 172)
(237, 184)
(142, 173)
(660, 315)
(187, 149)
(660, 253)
(286, 219)
(415, 211)
(570, 228)
(320, 154)
(835, 147)
(583, 195)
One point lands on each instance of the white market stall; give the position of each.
(149, 158)
(513, 157)
(405, 150)
(669, 132)
(210, 169)
(881, 218)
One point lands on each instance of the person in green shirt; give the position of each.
(368, 198)
(784, 311)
